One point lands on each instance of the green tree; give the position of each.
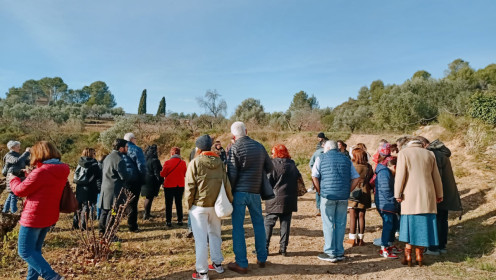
(100, 95)
(364, 94)
(301, 100)
(78, 96)
(142, 103)
(460, 69)
(486, 76)
(28, 93)
(161, 107)
(54, 88)
(376, 90)
(250, 110)
(421, 74)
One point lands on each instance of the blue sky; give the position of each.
(267, 50)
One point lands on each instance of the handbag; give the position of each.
(223, 207)
(356, 194)
(266, 191)
(68, 201)
(302, 190)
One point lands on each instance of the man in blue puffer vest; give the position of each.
(334, 178)
(136, 166)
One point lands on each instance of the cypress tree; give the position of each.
(161, 107)
(142, 104)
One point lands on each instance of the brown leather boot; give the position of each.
(407, 257)
(419, 255)
(351, 242)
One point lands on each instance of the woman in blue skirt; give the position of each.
(418, 188)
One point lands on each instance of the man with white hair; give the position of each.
(14, 163)
(137, 157)
(247, 162)
(334, 177)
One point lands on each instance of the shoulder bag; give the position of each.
(223, 207)
(68, 201)
(302, 190)
(356, 194)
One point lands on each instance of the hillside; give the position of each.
(160, 253)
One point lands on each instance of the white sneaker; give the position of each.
(311, 190)
(372, 206)
(377, 242)
(443, 251)
(216, 268)
(432, 253)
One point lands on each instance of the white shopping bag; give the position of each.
(223, 207)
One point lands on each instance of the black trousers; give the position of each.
(104, 219)
(284, 221)
(82, 213)
(442, 229)
(132, 218)
(173, 195)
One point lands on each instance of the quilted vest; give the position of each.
(335, 175)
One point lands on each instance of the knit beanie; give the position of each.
(204, 143)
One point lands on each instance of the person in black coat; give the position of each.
(151, 187)
(284, 179)
(87, 177)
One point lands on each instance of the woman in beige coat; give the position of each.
(418, 188)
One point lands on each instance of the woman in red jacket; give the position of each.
(43, 189)
(173, 173)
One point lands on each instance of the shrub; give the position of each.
(483, 106)
(447, 121)
(479, 136)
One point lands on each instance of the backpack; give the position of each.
(82, 176)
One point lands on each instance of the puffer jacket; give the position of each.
(451, 196)
(204, 178)
(173, 172)
(43, 189)
(245, 165)
(136, 154)
(284, 178)
(14, 163)
(384, 190)
(335, 175)
(90, 191)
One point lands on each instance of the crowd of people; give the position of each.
(410, 182)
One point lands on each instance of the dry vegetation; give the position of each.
(160, 253)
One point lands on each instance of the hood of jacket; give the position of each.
(437, 145)
(209, 161)
(86, 162)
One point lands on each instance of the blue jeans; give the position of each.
(333, 213)
(390, 224)
(253, 202)
(317, 200)
(10, 203)
(98, 210)
(29, 245)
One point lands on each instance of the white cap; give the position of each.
(128, 136)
